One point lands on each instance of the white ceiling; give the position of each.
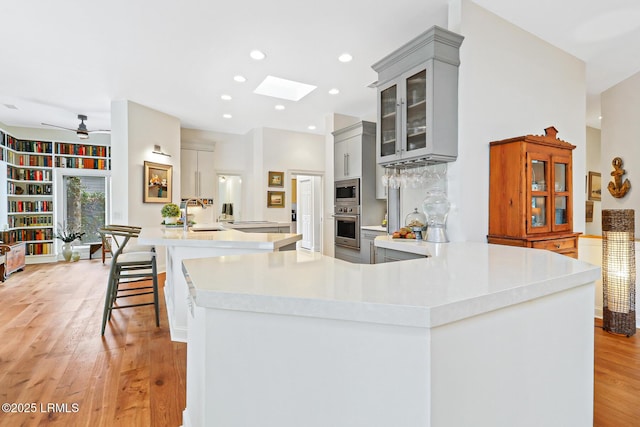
(60, 58)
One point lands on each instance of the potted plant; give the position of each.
(67, 236)
(171, 213)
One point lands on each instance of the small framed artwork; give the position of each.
(157, 183)
(589, 211)
(275, 199)
(276, 179)
(595, 186)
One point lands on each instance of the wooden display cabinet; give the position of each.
(530, 193)
(15, 260)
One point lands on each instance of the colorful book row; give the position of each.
(82, 150)
(29, 159)
(39, 248)
(13, 236)
(30, 206)
(30, 221)
(32, 189)
(29, 146)
(28, 174)
(78, 163)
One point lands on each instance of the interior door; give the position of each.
(305, 212)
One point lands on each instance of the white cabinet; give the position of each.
(197, 174)
(418, 101)
(348, 157)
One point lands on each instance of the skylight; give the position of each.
(283, 88)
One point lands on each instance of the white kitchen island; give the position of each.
(195, 244)
(473, 335)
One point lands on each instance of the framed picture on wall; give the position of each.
(589, 211)
(275, 199)
(595, 186)
(276, 179)
(157, 183)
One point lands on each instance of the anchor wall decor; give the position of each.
(617, 188)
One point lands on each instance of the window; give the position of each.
(84, 204)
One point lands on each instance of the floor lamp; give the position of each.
(618, 271)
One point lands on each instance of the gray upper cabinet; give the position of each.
(418, 101)
(353, 146)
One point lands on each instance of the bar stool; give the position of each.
(129, 264)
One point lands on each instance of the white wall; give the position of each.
(135, 130)
(511, 83)
(284, 151)
(620, 135)
(594, 164)
(620, 131)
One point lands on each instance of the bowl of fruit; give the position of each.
(404, 233)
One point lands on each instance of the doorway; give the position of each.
(308, 210)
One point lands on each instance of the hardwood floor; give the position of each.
(616, 379)
(51, 352)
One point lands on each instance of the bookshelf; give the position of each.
(28, 176)
(82, 156)
(27, 170)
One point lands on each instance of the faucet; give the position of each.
(186, 211)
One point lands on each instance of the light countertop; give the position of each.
(457, 281)
(418, 247)
(374, 228)
(256, 224)
(218, 239)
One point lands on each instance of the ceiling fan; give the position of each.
(82, 132)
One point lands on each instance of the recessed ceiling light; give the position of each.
(227, 116)
(226, 97)
(345, 57)
(279, 107)
(311, 127)
(257, 55)
(239, 78)
(334, 91)
(600, 117)
(283, 88)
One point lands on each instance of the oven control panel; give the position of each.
(349, 210)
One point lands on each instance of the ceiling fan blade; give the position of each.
(99, 131)
(60, 127)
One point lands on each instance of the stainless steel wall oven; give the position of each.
(347, 226)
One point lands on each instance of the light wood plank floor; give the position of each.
(51, 351)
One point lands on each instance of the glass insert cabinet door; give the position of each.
(562, 197)
(416, 111)
(388, 121)
(539, 202)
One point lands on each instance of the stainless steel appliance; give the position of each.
(347, 192)
(347, 226)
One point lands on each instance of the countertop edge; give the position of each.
(390, 313)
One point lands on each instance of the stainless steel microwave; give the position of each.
(347, 192)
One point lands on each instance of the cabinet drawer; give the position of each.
(555, 245)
